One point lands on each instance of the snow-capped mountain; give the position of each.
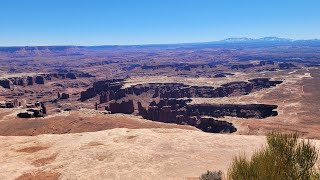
(264, 39)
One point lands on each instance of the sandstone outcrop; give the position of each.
(250, 65)
(106, 89)
(40, 79)
(34, 110)
(175, 111)
(180, 112)
(5, 83)
(173, 107)
(71, 76)
(177, 66)
(112, 89)
(220, 75)
(168, 109)
(258, 111)
(263, 63)
(283, 66)
(30, 81)
(214, 126)
(17, 81)
(125, 107)
(242, 66)
(64, 96)
(9, 103)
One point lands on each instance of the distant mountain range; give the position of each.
(264, 39)
(230, 42)
(259, 42)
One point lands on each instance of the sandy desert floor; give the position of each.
(83, 120)
(122, 154)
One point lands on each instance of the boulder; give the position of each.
(26, 114)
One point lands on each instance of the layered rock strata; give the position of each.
(112, 89)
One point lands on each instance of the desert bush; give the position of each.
(211, 175)
(284, 158)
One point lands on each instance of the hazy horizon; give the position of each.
(156, 43)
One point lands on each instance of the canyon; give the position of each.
(172, 109)
(158, 112)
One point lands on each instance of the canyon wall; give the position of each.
(39, 79)
(112, 89)
(170, 102)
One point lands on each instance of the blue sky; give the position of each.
(97, 22)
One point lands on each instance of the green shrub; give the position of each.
(284, 158)
(211, 175)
